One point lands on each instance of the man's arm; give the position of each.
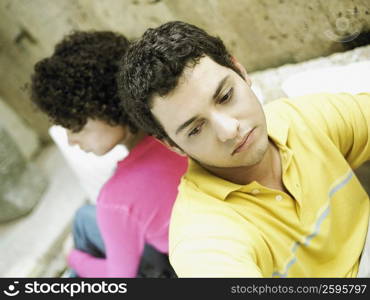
(212, 243)
(213, 257)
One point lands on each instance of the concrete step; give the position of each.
(29, 245)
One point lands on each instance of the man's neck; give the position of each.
(266, 172)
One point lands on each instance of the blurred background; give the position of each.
(289, 47)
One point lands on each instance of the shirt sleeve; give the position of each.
(215, 244)
(124, 243)
(86, 265)
(213, 258)
(345, 118)
(124, 239)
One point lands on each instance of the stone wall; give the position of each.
(21, 182)
(260, 33)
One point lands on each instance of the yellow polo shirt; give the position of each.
(222, 229)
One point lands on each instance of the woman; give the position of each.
(76, 88)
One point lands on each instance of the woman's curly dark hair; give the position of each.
(79, 80)
(153, 65)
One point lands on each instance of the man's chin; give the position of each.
(242, 162)
(225, 165)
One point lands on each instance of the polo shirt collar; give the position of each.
(277, 127)
(209, 183)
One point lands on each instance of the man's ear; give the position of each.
(242, 70)
(173, 148)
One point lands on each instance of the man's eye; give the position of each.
(195, 131)
(226, 97)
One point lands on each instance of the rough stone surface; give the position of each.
(269, 33)
(260, 33)
(27, 140)
(21, 183)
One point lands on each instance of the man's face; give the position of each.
(214, 116)
(97, 137)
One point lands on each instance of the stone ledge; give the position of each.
(23, 135)
(269, 82)
(28, 245)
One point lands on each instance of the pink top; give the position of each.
(134, 208)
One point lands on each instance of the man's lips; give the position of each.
(243, 142)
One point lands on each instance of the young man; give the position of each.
(76, 88)
(270, 190)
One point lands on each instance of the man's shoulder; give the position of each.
(199, 219)
(196, 211)
(316, 101)
(314, 109)
(189, 197)
(286, 105)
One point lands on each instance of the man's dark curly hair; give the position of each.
(153, 65)
(79, 80)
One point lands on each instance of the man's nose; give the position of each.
(226, 127)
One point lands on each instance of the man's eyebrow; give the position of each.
(220, 86)
(186, 124)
